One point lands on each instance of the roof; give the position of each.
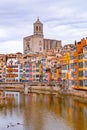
(38, 21)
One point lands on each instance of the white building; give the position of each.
(12, 70)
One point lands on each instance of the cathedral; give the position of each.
(37, 43)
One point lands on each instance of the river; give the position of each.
(43, 112)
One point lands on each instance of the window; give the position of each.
(85, 83)
(80, 64)
(56, 44)
(37, 70)
(39, 28)
(85, 48)
(81, 82)
(64, 67)
(72, 65)
(40, 49)
(80, 56)
(85, 73)
(30, 65)
(36, 28)
(74, 69)
(37, 65)
(80, 73)
(27, 75)
(37, 76)
(85, 63)
(30, 70)
(63, 75)
(72, 57)
(26, 66)
(73, 75)
(34, 70)
(74, 49)
(27, 70)
(73, 82)
(28, 45)
(15, 66)
(44, 64)
(34, 76)
(34, 66)
(85, 56)
(30, 76)
(43, 59)
(50, 44)
(20, 75)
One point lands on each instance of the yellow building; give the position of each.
(58, 73)
(79, 65)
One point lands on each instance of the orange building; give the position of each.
(48, 75)
(79, 65)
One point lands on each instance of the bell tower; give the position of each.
(38, 28)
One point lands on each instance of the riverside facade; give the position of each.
(70, 64)
(46, 60)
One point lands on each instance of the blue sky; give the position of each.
(64, 20)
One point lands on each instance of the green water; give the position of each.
(44, 112)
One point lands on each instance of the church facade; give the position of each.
(37, 43)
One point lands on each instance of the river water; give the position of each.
(43, 112)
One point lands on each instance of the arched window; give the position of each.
(40, 49)
(36, 28)
(39, 28)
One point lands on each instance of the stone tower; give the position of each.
(38, 28)
(36, 43)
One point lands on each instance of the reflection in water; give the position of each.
(44, 112)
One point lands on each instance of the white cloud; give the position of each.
(11, 47)
(3, 33)
(63, 20)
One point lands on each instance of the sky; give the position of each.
(64, 20)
